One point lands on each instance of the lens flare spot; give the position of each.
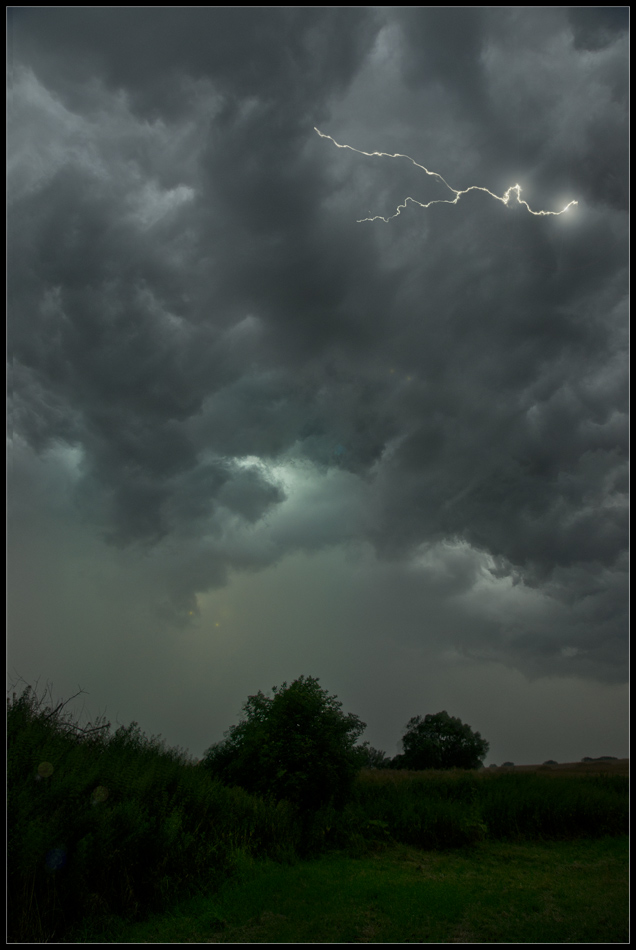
(55, 859)
(100, 794)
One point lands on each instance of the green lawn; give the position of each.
(550, 892)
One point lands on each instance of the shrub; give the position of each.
(296, 745)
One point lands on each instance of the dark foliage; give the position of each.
(104, 828)
(370, 758)
(296, 745)
(440, 741)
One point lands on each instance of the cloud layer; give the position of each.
(230, 369)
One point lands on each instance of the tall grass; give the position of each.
(104, 826)
(121, 826)
(446, 809)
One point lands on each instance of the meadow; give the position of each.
(117, 838)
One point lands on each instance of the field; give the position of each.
(598, 767)
(119, 839)
(565, 892)
(615, 767)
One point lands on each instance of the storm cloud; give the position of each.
(226, 370)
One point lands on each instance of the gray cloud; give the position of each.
(195, 311)
(594, 28)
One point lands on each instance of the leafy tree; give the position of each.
(296, 745)
(440, 741)
(370, 758)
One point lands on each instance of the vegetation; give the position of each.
(550, 892)
(107, 830)
(296, 746)
(370, 758)
(441, 742)
(120, 825)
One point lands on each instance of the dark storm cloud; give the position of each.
(466, 53)
(275, 54)
(189, 291)
(596, 27)
(444, 46)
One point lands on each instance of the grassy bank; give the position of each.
(553, 892)
(105, 828)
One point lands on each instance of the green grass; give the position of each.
(120, 828)
(549, 892)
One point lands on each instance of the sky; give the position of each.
(252, 436)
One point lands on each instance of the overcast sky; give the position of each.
(250, 437)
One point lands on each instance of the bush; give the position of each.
(296, 745)
(117, 826)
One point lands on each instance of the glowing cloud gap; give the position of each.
(505, 198)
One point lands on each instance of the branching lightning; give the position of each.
(505, 198)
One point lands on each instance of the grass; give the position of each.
(112, 830)
(549, 892)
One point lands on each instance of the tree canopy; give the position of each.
(440, 741)
(296, 745)
(370, 758)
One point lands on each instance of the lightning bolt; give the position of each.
(505, 198)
